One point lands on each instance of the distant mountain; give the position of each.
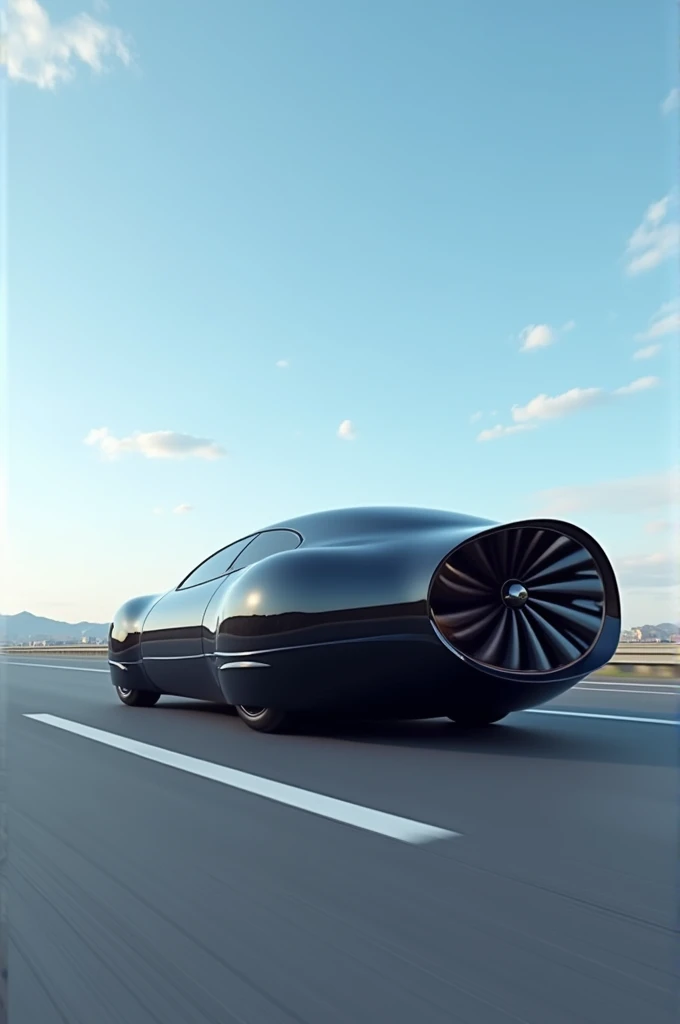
(23, 627)
(663, 631)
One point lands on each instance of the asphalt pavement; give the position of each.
(169, 865)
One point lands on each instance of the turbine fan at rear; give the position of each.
(523, 599)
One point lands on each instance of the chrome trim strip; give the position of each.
(244, 664)
(170, 657)
(386, 637)
(118, 664)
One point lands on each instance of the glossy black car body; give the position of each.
(379, 611)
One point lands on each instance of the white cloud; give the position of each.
(492, 433)
(666, 320)
(626, 495)
(646, 352)
(654, 240)
(547, 407)
(158, 511)
(476, 416)
(542, 335)
(181, 510)
(641, 384)
(346, 431)
(536, 336)
(658, 569)
(283, 364)
(159, 444)
(37, 51)
(671, 102)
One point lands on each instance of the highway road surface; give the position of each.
(170, 866)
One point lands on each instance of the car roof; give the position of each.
(333, 524)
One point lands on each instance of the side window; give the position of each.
(214, 566)
(269, 543)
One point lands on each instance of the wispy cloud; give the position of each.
(44, 53)
(646, 352)
(623, 495)
(658, 569)
(547, 407)
(655, 239)
(282, 364)
(347, 431)
(641, 384)
(665, 321)
(493, 433)
(159, 444)
(671, 102)
(476, 416)
(181, 510)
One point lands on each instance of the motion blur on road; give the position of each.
(142, 893)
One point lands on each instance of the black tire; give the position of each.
(477, 719)
(137, 698)
(265, 719)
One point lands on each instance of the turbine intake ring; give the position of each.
(527, 599)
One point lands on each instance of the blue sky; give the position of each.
(251, 223)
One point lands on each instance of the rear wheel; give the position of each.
(264, 719)
(137, 698)
(476, 719)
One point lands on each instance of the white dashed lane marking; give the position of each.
(367, 818)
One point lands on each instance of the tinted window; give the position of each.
(265, 544)
(214, 566)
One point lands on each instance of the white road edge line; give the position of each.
(638, 682)
(649, 692)
(593, 714)
(71, 668)
(367, 818)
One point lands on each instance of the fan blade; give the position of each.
(551, 636)
(463, 591)
(530, 551)
(574, 587)
(467, 632)
(553, 548)
(572, 616)
(569, 561)
(494, 645)
(462, 618)
(536, 656)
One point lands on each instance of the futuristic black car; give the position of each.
(389, 612)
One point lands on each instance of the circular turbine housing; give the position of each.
(520, 599)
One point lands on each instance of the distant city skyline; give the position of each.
(352, 254)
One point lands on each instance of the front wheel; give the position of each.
(264, 719)
(476, 719)
(137, 698)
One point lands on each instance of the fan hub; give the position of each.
(514, 594)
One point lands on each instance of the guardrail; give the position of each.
(647, 654)
(626, 653)
(69, 649)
